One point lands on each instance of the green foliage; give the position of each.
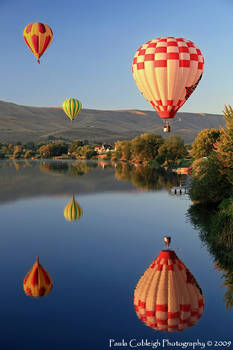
(54, 167)
(51, 138)
(224, 147)
(81, 168)
(145, 177)
(151, 147)
(145, 147)
(203, 144)
(184, 163)
(29, 154)
(141, 148)
(87, 151)
(172, 149)
(123, 150)
(216, 230)
(53, 149)
(74, 145)
(213, 177)
(208, 184)
(30, 146)
(7, 149)
(2, 154)
(18, 151)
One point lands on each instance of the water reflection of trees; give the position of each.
(17, 164)
(76, 168)
(146, 177)
(142, 177)
(216, 231)
(73, 169)
(54, 167)
(81, 168)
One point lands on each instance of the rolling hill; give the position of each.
(25, 123)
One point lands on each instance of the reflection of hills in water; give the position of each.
(167, 296)
(216, 231)
(23, 179)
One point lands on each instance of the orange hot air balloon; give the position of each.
(38, 37)
(167, 71)
(167, 296)
(37, 282)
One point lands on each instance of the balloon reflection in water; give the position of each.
(37, 282)
(167, 296)
(73, 211)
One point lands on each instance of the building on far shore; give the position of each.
(103, 148)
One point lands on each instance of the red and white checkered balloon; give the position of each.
(167, 71)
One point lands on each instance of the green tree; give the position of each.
(74, 145)
(30, 146)
(215, 225)
(87, 151)
(145, 147)
(18, 151)
(208, 185)
(53, 149)
(29, 153)
(224, 147)
(123, 150)
(203, 144)
(2, 154)
(172, 149)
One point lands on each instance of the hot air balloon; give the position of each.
(38, 37)
(37, 282)
(167, 241)
(72, 107)
(167, 296)
(167, 71)
(73, 211)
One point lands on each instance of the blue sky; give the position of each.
(94, 43)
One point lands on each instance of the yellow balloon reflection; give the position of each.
(167, 296)
(73, 211)
(37, 282)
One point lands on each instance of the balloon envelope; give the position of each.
(73, 211)
(167, 71)
(167, 297)
(37, 282)
(38, 37)
(72, 107)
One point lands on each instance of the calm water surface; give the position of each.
(95, 262)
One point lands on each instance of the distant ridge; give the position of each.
(25, 123)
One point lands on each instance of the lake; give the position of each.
(96, 261)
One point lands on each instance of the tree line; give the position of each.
(152, 147)
(212, 175)
(52, 149)
(143, 148)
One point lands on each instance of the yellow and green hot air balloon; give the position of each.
(37, 282)
(73, 211)
(72, 107)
